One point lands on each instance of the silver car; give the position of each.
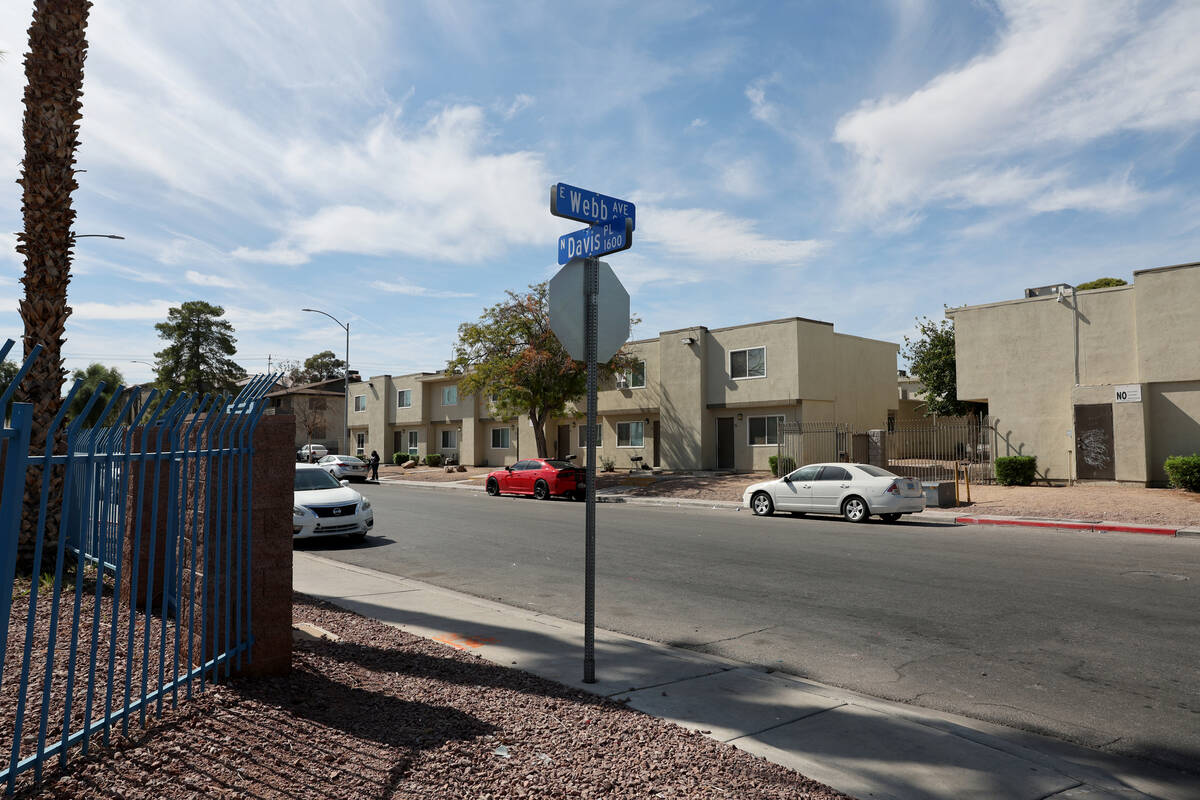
(344, 467)
(325, 506)
(856, 491)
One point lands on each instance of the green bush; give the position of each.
(1184, 472)
(399, 458)
(1016, 470)
(781, 466)
(607, 465)
(434, 459)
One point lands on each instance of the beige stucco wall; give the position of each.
(1168, 323)
(1173, 418)
(865, 388)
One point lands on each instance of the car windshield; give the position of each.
(349, 460)
(308, 480)
(876, 472)
(561, 464)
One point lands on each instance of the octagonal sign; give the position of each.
(567, 311)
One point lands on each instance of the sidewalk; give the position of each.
(619, 494)
(862, 746)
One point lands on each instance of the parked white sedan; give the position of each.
(344, 467)
(856, 491)
(325, 506)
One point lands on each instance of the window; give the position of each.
(360, 444)
(404, 398)
(449, 439)
(500, 438)
(833, 474)
(583, 435)
(805, 474)
(763, 430)
(412, 443)
(636, 377)
(748, 363)
(449, 395)
(629, 434)
(360, 402)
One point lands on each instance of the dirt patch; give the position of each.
(1108, 502)
(382, 713)
(433, 474)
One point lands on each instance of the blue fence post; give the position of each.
(16, 444)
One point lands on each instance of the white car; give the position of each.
(325, 506)
(856, 491)
(344, 467)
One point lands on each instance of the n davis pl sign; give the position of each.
(596, 241)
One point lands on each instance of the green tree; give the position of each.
(50, 128)
(318, 367)
(8, 371)
(196, 358)
(931, 359)
(1100, 283)
(512, 354)
(92, 377)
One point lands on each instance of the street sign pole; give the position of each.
(591, 288)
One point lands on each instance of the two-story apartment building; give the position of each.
(1101, 384)
(699, 398)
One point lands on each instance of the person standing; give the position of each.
(374, 464)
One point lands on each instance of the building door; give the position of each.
(725, 443)
(397, 441)
(1094, 454)
(655, 452)
(564, 442)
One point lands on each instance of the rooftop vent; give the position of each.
(1048, 291)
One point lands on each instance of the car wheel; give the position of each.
(890, 517)
(493, 487)
(855, 509)
(541, 490)
(761, 504)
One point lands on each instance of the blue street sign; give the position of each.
(580, 204)
(596, 241)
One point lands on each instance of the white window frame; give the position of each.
(360, 444)
(583, 435)
(505, 438)
(407, 395)
(446, 393)
(641, 426)
(453, 439)
(414, 446)
(630, 377)
(363, 398)
(729, 363)
(766, 432)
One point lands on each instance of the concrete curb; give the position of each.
(1089, 526)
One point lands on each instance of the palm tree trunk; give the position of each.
(53, 94)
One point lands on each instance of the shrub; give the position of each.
(781, 466)
(399, 458)
(607, 465)
(1184, 472)
(1016, 470)
(434, 459)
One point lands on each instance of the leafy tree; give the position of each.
(197, 357)
(931, 360)
(53, 108)
(92, 377)
(8, 371)
(317, 367)
(1100, 283)
(511, 353)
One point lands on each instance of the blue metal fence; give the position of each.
(139, 580)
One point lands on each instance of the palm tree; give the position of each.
(53, 102)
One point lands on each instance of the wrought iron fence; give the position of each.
(928, 451)
(931, 450)
(135, 581)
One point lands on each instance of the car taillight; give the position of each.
(894, 488)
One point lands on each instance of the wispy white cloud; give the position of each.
(1002, 129)
(147, 310)
(713, 236)
(519, 104)
(204, 279)
(412, 290)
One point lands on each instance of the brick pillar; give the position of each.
(270, 546)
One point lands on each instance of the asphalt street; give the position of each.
(1091, 638)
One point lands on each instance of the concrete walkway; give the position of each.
(865, 747)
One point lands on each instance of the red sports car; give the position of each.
(540, 477)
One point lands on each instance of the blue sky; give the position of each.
(389, 162)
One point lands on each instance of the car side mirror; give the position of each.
(345, 483)
(508, 468)
(787, 478)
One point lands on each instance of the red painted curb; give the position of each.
(1096, 527)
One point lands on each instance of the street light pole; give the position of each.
(346, 412)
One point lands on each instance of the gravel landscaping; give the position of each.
(382, 713)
